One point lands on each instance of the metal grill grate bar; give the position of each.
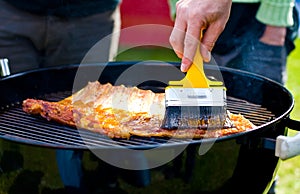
(17, 125)
(40, 130)
(44, 132)
(255, 113)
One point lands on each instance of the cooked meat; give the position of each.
(120, 112)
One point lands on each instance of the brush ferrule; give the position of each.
(195, 96)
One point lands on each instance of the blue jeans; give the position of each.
(239, 47)
(69, 164)
(259, 58)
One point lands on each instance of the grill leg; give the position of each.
(69, 164)
(191, 152)
(272, 189)
(183, 166)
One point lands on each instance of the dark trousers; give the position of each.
(31, 41)
(239, 46)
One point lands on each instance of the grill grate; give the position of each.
(18, 126)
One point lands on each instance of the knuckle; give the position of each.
(172, 41)
(192, 15)
(209, 44)
(181, 8)
(188, 42)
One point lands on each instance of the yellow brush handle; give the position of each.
(195, 76)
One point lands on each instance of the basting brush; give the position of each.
(195, 102)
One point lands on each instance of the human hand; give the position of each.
(192, 18)
(274, 35)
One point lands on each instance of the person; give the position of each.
(37, 34)
(251, 35)
(258, 35)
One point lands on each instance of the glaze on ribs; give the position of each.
(120, 112)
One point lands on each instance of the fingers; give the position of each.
(177, 41)
(185, 39)
(185, 44)
(178, 33)
(209, 39)
(191, 43)
(191, 18)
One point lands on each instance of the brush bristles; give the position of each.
(194, 117)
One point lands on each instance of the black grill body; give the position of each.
(234, 162)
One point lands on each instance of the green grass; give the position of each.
(289, 171)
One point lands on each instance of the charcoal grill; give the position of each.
(19, 126)
(252, 160)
